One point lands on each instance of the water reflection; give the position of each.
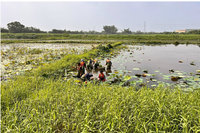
(158, 61)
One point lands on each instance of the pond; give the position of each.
(166, 63)
(18, 58)
(53, 46)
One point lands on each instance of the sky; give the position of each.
(143, 16)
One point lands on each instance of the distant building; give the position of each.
(180, 31)
(185, 31)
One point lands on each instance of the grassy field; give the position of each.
(91, 38)
(44, 100)
(62, 106)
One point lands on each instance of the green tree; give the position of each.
(138, 32)
(194, 32)
(15, 27)
(4, 30)
(57, 31)
(126, 31)
(32, 30)
(110, 29)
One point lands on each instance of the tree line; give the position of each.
(17, 27)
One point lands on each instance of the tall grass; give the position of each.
(66, 107)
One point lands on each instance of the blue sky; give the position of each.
(158, 16)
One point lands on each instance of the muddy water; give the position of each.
(158, 60)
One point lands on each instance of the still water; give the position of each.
(158, 60)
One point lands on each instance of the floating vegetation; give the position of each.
(19, 58)
(171, 70)
(145, 71)
(192, 63)
(171, 77)
(136, 69)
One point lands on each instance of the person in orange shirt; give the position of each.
(102, 76)
(83, 65)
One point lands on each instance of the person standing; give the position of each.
(96, 64)
(83, 65)
(108, 64)
(89, 65)
(80, 70)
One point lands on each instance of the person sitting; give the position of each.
(102, 76)
(88, 76)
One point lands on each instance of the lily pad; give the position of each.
(153, 85)
(175, 78)
(192, 63)
(136, 69)
(145, 71)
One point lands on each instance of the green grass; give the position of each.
(89, 38)
(41, 101)
(63, 106)
(22, 86)
(50, 36)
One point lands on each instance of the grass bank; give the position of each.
(22, 86)
(90, 38)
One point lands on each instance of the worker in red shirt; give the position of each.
(102, 76)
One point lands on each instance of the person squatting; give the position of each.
(85, 70)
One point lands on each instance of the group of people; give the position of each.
(91, 65)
